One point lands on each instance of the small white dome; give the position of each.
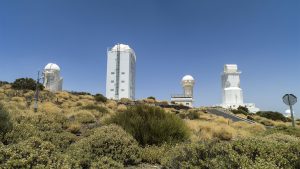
(188, 78)
(122, 47)
(288, 111)
(52, 66)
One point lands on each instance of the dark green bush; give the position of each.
(3, 83)
(25, 84)
(79, 93)
(151, 125)
(5, 122)
(107, 141)
(151, 97)
(272, 115)
(100, 98)
(241, 110)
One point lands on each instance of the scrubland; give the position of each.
(78, 130)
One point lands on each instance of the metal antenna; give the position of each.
(36, 96)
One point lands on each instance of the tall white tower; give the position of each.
(232, 93)
(120, 78)
(186, 98)
(52, 80)
(188, 85)
(231, 90)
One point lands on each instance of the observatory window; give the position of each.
(122, 90)
(112, 73)
(187, 104)
(123, 73)
(112, 81)
(111, 89)
(122, 81)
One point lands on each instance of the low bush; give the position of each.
(241, 110)
(84, 116)
(272, 115)
(151, 125)
(285, 130)
(243, 153)
(5, 122)
(108, 142)
(100, 98)
(3, 83)
(25, 84)
(31, 153)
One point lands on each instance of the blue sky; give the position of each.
(170, 38)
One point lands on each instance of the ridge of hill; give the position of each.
(74, 130)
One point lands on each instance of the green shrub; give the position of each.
(245, 153)
(31, 153)
(21, 132)
(154, 154)
(151, 125)
(25, 84)
(151, 97)
(100, 98)
(5, 122)
(285, 130)
(241, 110)
(192, 115)
(84, 116)
(3, 83)
(272, 115)
(107, 141)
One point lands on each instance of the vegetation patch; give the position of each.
(151, 125)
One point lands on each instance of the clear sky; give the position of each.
(171, 38)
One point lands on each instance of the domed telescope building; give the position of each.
(52, 80)
(186, 98)
(120, 78)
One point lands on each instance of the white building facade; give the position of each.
(186, 98)
(120, 78)
(232, 94)
(52, 80)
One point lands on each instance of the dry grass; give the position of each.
(86, 97)
(121, 108)
(111, 104)
(18, 99)
(74, 127)
(63, 95)
(2, 96)
(84, 116)
(49, 107)
(204, 130)
(242, 116)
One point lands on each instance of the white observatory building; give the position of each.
(120, 78)
(231, 89)
(186, 98)
(52, 80)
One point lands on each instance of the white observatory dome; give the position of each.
(123, 47)
(287, 113)
(52, 66)
(187, 78)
